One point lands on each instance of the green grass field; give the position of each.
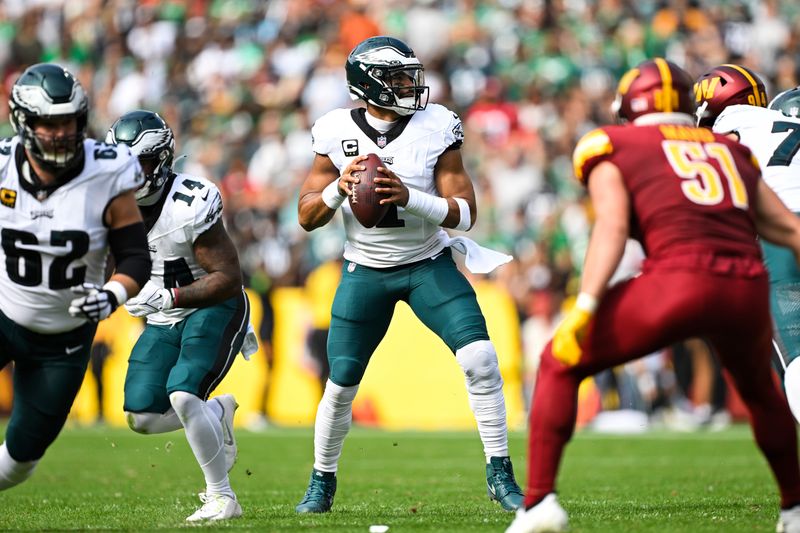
(113, 479)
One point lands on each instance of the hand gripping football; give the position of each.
(364, 201)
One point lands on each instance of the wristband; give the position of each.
(586, 302)
(465, 219)
(174, 293)
(118, 290)
(331, 195)
(431, 208)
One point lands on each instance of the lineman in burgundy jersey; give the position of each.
(696, 202)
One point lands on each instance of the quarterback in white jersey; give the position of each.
(405, 257)
(411, 151)
(65, 202)
(733, 99)
(197, 313)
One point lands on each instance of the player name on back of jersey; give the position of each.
(685, 133)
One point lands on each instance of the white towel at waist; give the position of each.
(478, 259)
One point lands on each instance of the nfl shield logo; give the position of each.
(381, 141)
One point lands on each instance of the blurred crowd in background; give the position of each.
(242, 81)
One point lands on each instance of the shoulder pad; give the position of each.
(326, 128)
(589, 149)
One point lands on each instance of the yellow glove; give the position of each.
(566, 340)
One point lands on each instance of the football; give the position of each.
(364, 201)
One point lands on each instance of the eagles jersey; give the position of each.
(410, 149)
(189, 206)
(53, 242)
(774, 139)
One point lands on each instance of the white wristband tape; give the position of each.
(331, 195)
(586, 302)
(465, 219)
(118, 290)
(431, 208)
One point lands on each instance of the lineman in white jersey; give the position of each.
(772, 132)
(404, 257)
(197, 312)
(65, 201)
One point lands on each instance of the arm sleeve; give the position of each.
(129, 247)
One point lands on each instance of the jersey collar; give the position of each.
(150, 213)
(358, 116)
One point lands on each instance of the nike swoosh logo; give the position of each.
(205, 196)
(74, 349)
(437, 255)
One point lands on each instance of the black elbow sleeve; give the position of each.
(131, 254)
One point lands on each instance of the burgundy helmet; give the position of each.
(653, 86)
(723, 86)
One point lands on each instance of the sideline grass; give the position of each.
(113, 479)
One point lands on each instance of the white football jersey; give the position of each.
(774, 139)
(59, 241)
(189, 206)
(410, 149)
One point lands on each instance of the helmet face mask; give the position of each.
(653, 86)
(152, 141)
(787, 102)
(724, 86)
(49, 111)
(384, 72)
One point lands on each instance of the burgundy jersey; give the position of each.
(691, 190)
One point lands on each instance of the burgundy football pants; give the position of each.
(651, 312)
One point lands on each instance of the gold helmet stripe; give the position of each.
(752, 81)
(666, 81)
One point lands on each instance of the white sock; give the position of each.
(791, 382)
(204, 433)
(334, 416)
(478, 360)
(151, 423)
(13, 472)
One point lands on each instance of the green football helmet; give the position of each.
(47, 91)
(787, 102)
(384, 72)
(152, 141)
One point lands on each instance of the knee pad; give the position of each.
(347, 371)
(791, 383)
(478, 360)
(13, 472)
(143, 423)
(184, 403)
